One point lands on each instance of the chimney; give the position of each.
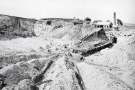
(114, 17)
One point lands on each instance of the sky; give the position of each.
(95, 9)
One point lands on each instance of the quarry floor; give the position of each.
(110, 69)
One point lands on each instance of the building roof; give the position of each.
(102, 23)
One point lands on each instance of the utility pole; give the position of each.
(114, 17)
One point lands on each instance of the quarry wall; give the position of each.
(13, 27)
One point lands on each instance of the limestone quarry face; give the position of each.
(13, 27)
(65, 54)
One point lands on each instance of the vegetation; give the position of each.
(119, 22)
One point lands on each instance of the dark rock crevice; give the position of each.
(71, 65)
(80, 81)
(40, 77)
(2, 81)
(92, 51)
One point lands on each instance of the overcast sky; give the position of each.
(95, 9)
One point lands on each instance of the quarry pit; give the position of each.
(65, 54)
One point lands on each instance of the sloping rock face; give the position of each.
(68, 31)
(93, 42)
(64, 75)
(58, 29)
(53, 73)
(93, 39)
(13, 27)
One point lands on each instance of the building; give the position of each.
(103, 24)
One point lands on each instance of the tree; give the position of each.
(88, 20)
(119, 22)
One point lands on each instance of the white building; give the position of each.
(103, 24)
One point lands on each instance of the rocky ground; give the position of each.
(48, 61)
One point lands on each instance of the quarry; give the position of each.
(66, 54)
